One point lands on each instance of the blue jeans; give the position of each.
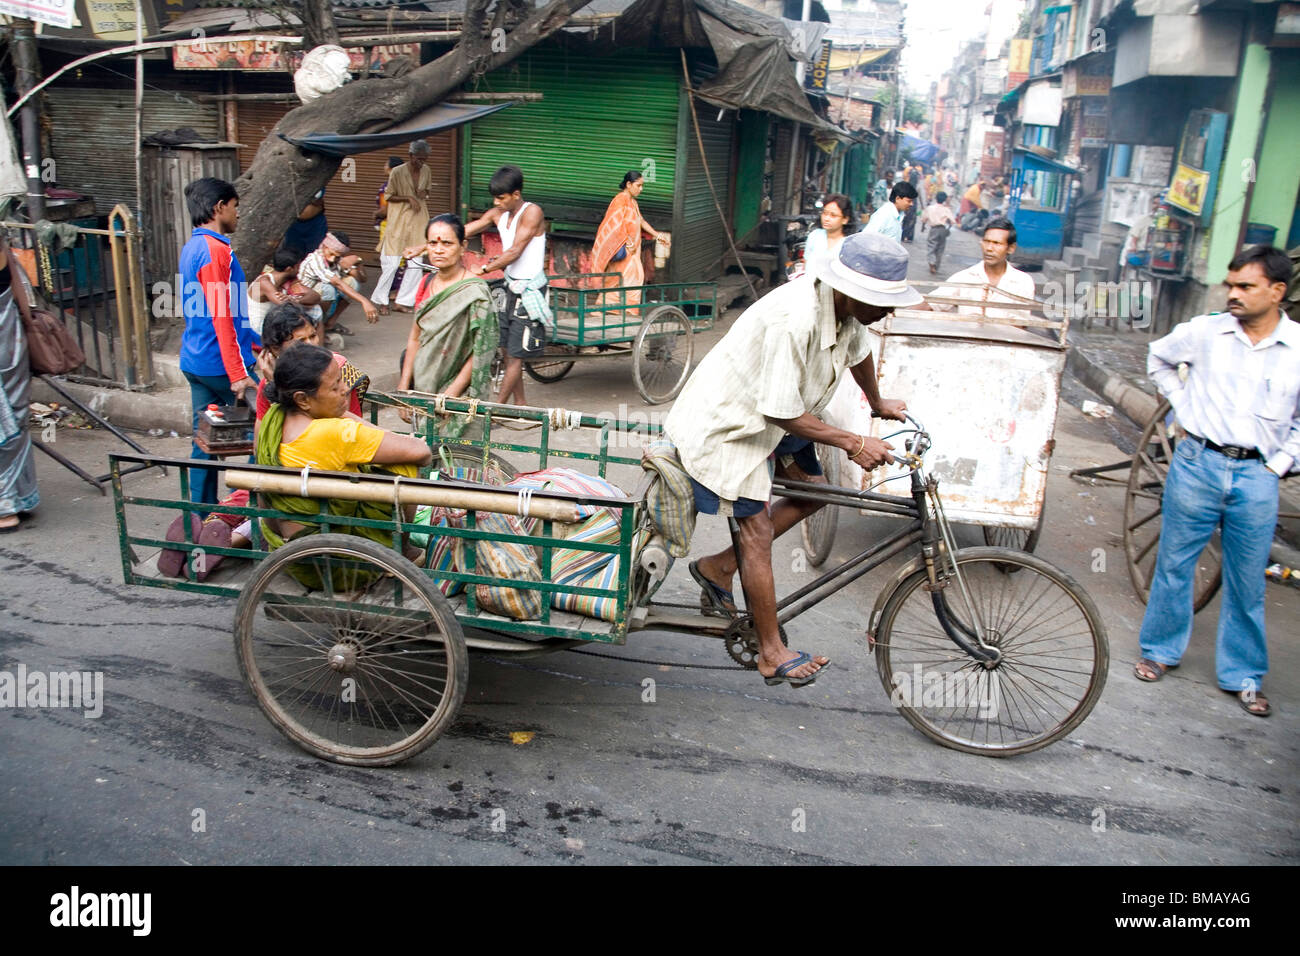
(206, 390)
(1206, 490)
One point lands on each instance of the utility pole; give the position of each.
(26, 70)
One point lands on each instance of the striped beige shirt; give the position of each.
(781, 359)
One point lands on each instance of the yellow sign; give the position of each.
(111, 19)
(1187, 191)
(1018, 61)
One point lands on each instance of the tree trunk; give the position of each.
(318, 26)
(283, 177)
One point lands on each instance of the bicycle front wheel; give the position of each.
(1053, 644)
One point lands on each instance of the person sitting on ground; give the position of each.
(455, 332)
(288, 325)
(308, 426)
(277, 285)
(323, 272)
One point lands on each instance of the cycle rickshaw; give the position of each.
(357, 655)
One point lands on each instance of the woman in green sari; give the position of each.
(455, 332)
(308, 426)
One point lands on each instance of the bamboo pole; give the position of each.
(387, 491)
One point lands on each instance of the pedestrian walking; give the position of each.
(18, 492)
(888, 219)
(525, 315)
(938, 218)
(837, 222)
(1239, 411)
(407, 215)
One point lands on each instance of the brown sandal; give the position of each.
(1254, 703)
(1149, 670)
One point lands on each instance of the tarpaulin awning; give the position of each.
(433, 120)
(919, 150)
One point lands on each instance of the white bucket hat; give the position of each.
(870, 268)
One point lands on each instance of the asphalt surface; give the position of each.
(564, 749)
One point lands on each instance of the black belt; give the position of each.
(1231, 451)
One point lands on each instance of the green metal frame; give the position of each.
(588, 314)
(630, 512)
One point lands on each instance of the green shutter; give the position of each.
(751, 139)
(599, 117)
(700, 236)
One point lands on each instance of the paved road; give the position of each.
(718, 769)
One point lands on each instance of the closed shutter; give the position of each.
(751, 149)
(92, 132)
(598, 118)
(350, 196)
(700, 236)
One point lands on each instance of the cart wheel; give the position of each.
(551, 367)
(369, 668)
(1017, 539)
(1142, 500)
(468, 461)
(818, 529)
(661, 357)
(1054, 655)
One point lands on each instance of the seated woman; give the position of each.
(278, 285)
(455, 332)
(308, 425)
(288, 325)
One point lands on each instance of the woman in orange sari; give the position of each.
(618, 243)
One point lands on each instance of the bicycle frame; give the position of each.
(929, 527)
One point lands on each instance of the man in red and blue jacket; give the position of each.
(217, 347)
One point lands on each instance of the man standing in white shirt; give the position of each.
(992, 279)
(888, 219)
(1240, 409)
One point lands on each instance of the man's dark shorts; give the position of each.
(521, 336)
(802, 450)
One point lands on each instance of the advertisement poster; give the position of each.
(268, 55)
(991, 157)
(1187, 191)
(1018, 62)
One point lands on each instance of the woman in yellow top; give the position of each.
(308, 425)
(618, 242)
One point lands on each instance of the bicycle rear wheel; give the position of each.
(1054, 655)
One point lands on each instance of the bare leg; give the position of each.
(512, 383)
(760, 595)
(720, 568)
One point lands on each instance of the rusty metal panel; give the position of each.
(987, 396)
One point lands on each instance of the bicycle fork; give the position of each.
(939, 553)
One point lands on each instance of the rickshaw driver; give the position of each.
(759, 392)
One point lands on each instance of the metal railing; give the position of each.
(96, 286)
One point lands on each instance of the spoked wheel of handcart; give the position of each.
(1052, 663)
(470, 463)
(552, 366)
(350, 650)
(662, 353)
(1142, 506)
(818, 529)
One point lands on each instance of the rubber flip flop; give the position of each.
(713, 599)
(1154, 667)
(782, 675)
(171, 562)
(1256, 698)
(341, 329)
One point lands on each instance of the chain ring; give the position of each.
(741, 642)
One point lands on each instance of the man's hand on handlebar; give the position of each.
(894, 408)
(869, 453)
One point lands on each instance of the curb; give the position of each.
(1137, 405)
(139, 411)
